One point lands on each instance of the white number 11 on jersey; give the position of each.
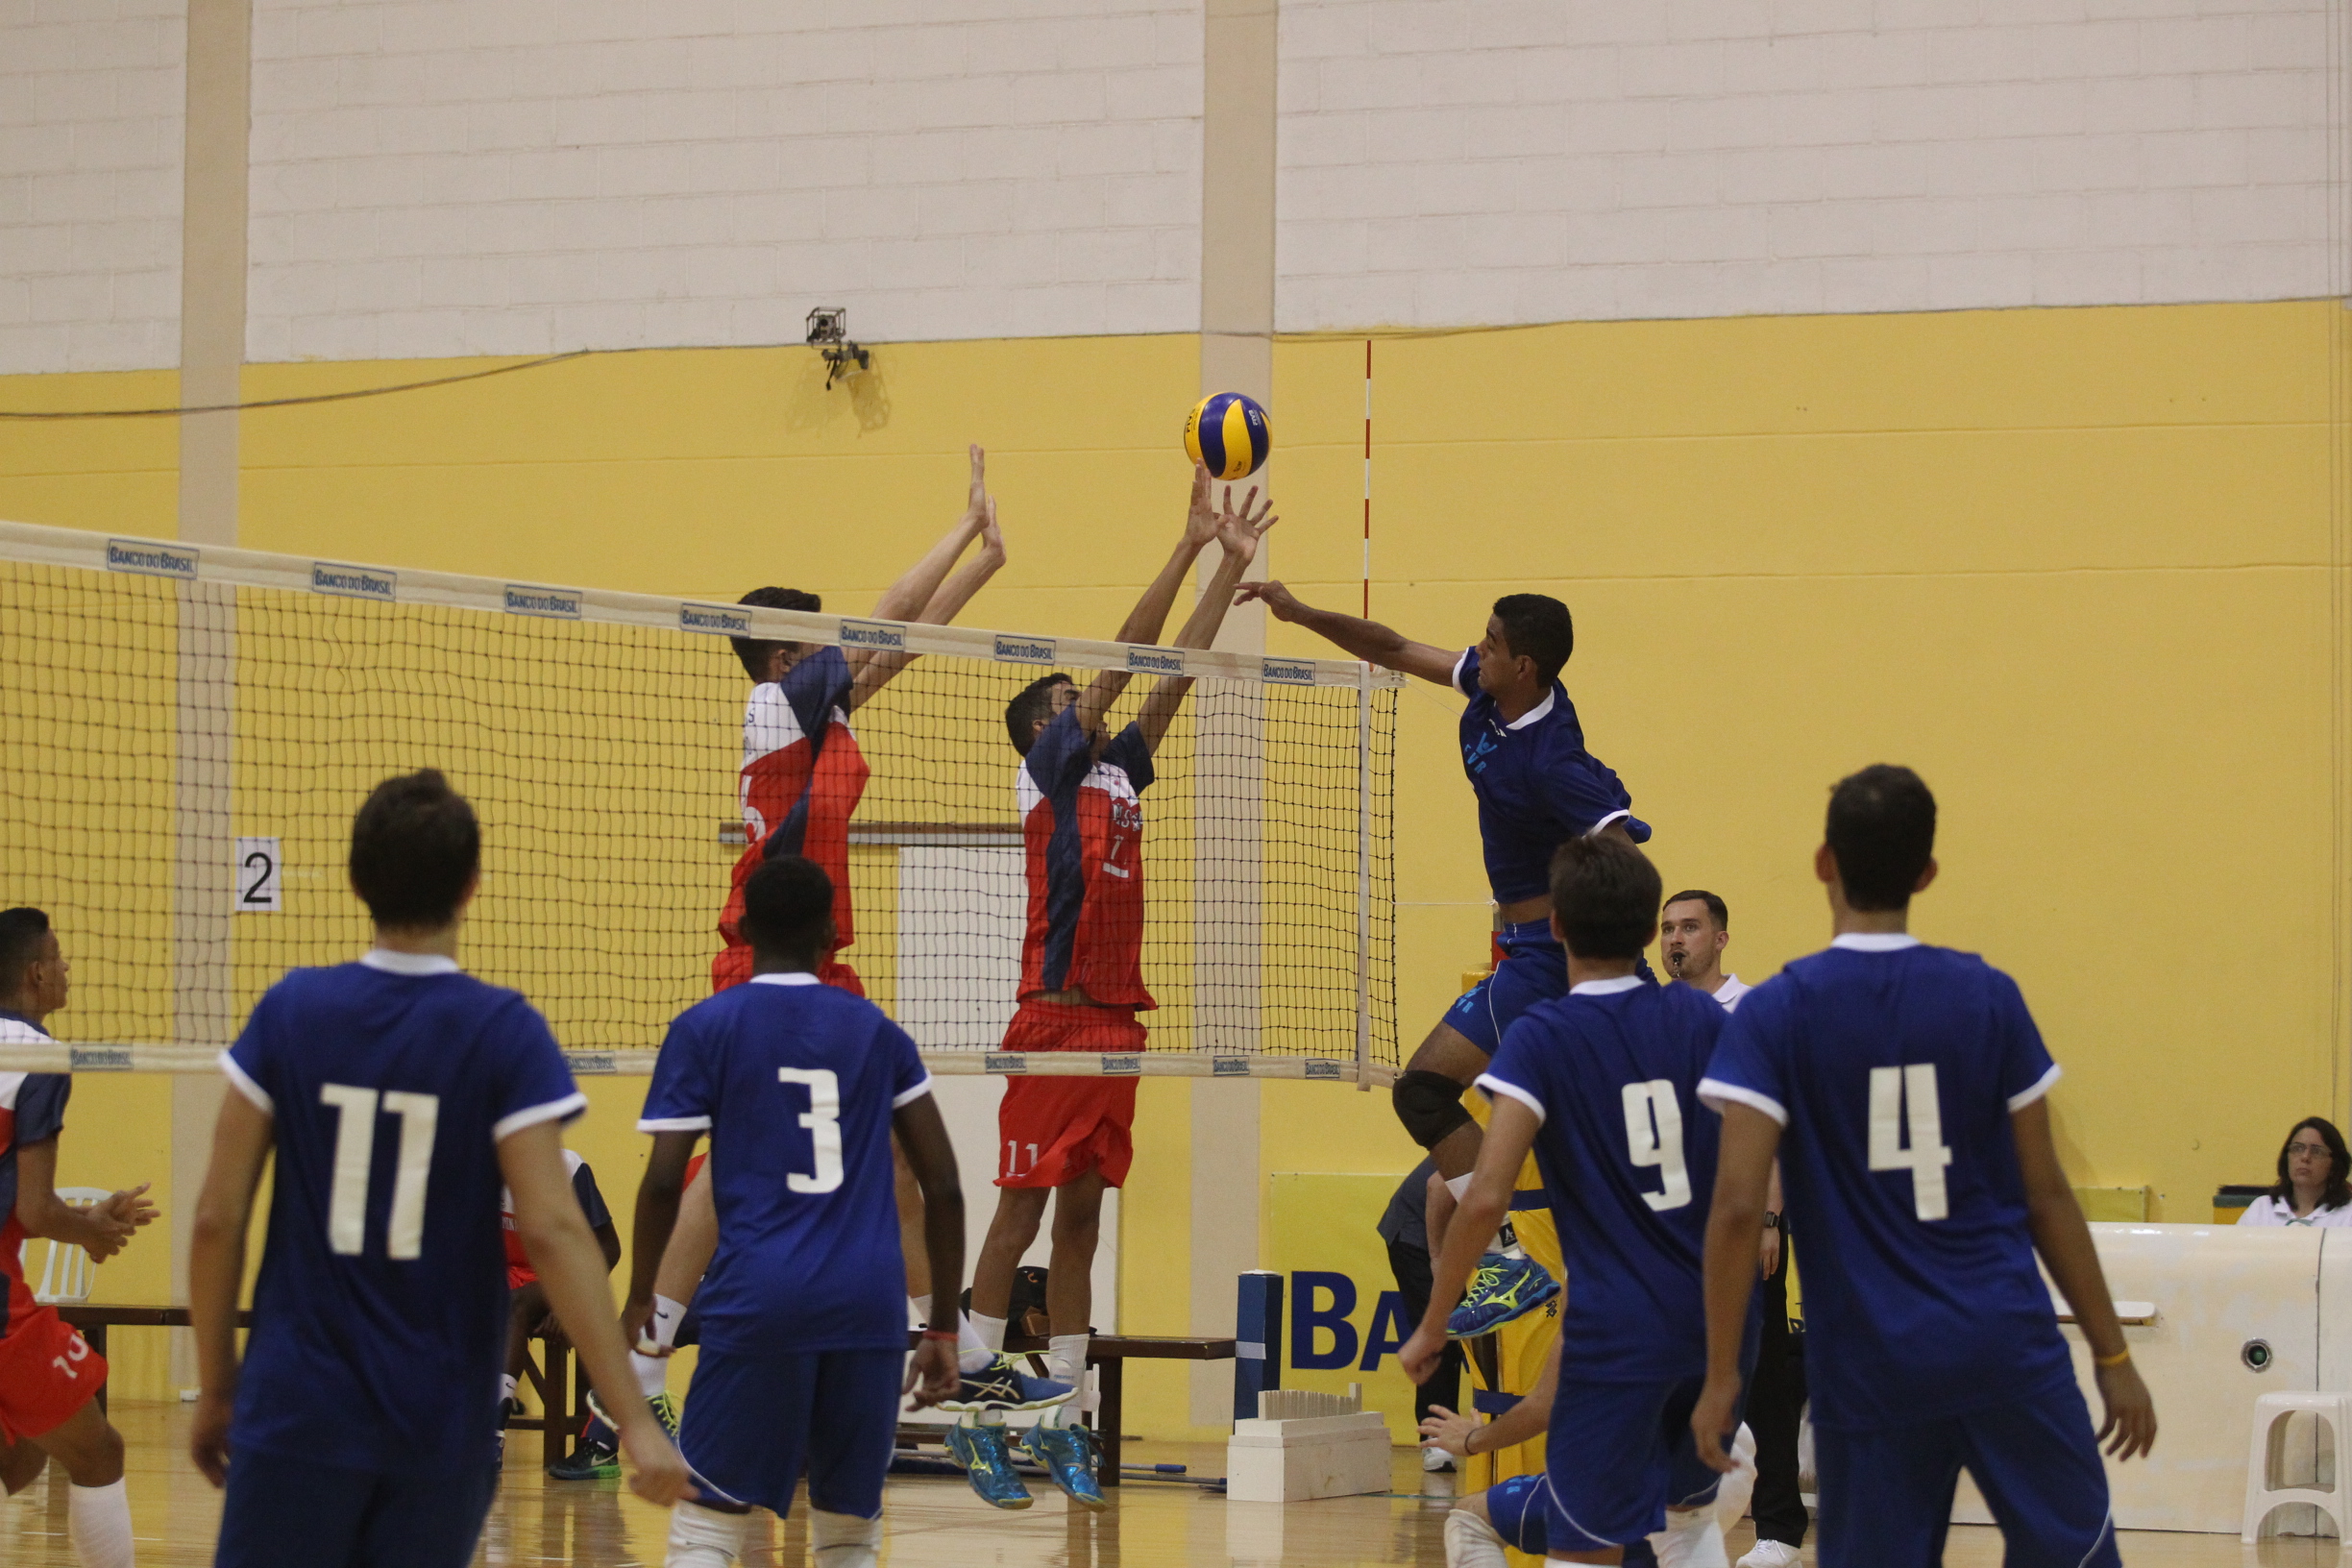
(1906, 1133)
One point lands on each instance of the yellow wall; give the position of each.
(2074, 565)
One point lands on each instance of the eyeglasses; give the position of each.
(2317, 1151)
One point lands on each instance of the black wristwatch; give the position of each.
(1771, 1221)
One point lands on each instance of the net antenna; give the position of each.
(205, 721)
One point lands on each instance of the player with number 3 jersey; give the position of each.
(399, 1095)
(1903, 1087)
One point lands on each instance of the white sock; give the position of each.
(973, 1354)
(1691, 1539)
(506, 1386)
(98, 1522)
(991, 1330)
(1471, 1542)
(1065, 1356)
(652, 1374)
(843, 1540)
(701, 1537)
(1459, 1185)
(1731, 1497)
(662, 1327)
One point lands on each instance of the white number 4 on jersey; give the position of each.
(1906, 1133)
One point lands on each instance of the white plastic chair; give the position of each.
(2264, 1466)
(67, 1275)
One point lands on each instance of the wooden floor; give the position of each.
(940, 1522)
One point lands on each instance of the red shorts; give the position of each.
(518, 1275)
(1050, 1131)
(733, 967)
(47, 1369)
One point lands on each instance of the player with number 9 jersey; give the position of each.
(1894, 1068)
(380, 1315)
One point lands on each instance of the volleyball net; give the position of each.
(192, 728)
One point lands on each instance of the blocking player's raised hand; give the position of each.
(1201, 512)
(1240, 531)
(976, 497)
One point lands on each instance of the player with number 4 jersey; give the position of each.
(1903, 1089)
(399, 1095)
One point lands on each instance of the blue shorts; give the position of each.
(1534, 969)
(1886, 1496)
(292, 1513)
(752, 1424)
(1516, 1510)
(1619, 1455)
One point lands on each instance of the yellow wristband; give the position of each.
(2117, 1360)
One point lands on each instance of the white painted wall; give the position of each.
(91, 112)
(438, 176)
(1493, 161)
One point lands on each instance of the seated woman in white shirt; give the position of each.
(2312, 1189)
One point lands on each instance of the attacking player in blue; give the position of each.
(1603, 1085)
(399, 1094)
(1903, 1089)
(1537, 787)
(799, 1086)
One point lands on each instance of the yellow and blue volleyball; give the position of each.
(1227, 435)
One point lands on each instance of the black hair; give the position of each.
(414, 846)
(1604, 894)
(1882, 823)
(20, 945)
(755, 651)
(2339, 1190)
(1716, 907)
(786, 905)
(1033, 703)
(1539, 627)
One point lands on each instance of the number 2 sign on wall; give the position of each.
(258, 880)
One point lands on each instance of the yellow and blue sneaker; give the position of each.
(987, 1459)
(1002, 1385)
(1504, 1287)
(1067, 1453)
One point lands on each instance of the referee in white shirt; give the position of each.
(1697, 927)
(2312, 1188)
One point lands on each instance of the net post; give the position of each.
(1363, 877)
(1258, 1329)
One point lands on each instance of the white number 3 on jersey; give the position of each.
(1906, 1133)
(1654, 1136)
(822, 1119)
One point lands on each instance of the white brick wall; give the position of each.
(1491, 162)
(447, 177)
(90, 113)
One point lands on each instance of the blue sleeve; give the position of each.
(537, 1083)
(1746, 1068)
(40, 1107)
(816, 685)
(591, 1201)
(1465, 674)
(1131, 753)
(679, 1099)
(1060, 756)
(250, 1062)
(909, 1079)
(1516, 1070)
(1582, 792)
(2026, 1069)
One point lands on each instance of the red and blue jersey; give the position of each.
(1536, 785)
(801, 779)
(32, 1111)
(1082, 823)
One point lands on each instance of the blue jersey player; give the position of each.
(1903, 1087)
(1537, 787)
(399, 1094)
(799, 1086)
(1603, 1085)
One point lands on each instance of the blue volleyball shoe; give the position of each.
(987, 1459)
(1503, 1290)
(1067, 1453)
(1002, 1385)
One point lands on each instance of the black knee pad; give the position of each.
(1430, 1105)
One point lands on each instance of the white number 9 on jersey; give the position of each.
(1906, 1133)
(822, 1119)
(1654, 1136)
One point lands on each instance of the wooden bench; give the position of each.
(1109, 1353)
(563, 1397)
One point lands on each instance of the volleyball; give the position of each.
(1227, 435)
